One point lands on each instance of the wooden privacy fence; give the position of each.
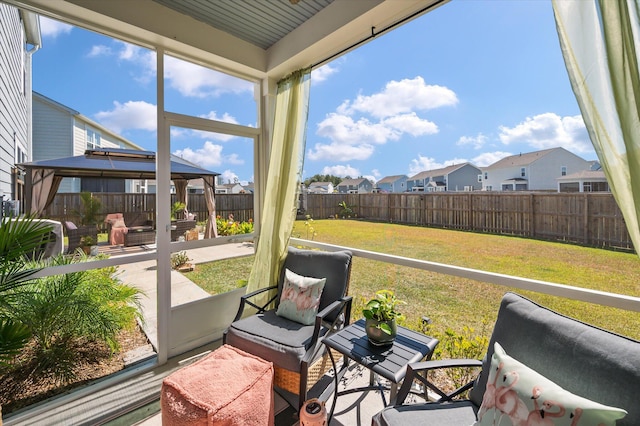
(591, 219)
(66, 206)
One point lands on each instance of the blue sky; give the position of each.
(472, 81)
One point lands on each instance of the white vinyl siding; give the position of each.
(14, 106)
(52, 131)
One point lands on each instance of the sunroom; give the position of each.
(276, 56)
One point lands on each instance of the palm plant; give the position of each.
(91, 208)
(20, 240)
(61, 310)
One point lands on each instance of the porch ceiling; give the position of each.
(254, 39)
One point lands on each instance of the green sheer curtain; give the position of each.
(283, 179)
(599, 41)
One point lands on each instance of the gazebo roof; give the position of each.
(117, 163)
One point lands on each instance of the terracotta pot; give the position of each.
(377, 336)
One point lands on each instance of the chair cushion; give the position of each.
(454, 413)
(271, 337)
(119, 223)
(300, 298)
(519, 395)
(70, 226)
(583, 359)
(334, 266)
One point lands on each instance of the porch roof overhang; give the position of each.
(116, 163)
(255, 40)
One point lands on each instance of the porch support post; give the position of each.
(163, 228)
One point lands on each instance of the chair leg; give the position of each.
(302, 394)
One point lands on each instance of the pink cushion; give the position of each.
(119, 223)
(227, 387)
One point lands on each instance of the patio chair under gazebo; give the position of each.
(42, 178)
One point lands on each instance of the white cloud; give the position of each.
(321, 74)
(195, 81)
(477, 141)
(422, 164)
(52, 28)
(549, 130)
(99, 50)
(402, 97)
(129, 115)
(213, 115)
(488, 158)
(340, 152)
(188, 79)
(210, 155)
(229, 177)
(340, 170)
(410, 123)
(342, 129)
(358, 125)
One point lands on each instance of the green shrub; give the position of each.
(178, 259)
(231, 227)
(467, 344)
(61, 310)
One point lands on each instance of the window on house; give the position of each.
(563, 170)
(486, 175)
(523, 172)
(93, 139)
(479, 178)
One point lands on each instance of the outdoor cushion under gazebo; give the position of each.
(42, 178)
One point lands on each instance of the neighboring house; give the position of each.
(229, 188)
(533, 171)
(249, 188)
(397, 183)
(459, 177)
(320, 188)
(19, 39)
(584, 181)
(60, 131)
(355, 186)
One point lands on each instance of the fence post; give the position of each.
(532, 216)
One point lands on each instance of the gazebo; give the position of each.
(42, 178)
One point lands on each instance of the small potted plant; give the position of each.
(89, 245)
(180, 262)
(381, 318)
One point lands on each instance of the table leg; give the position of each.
(393, 394)
(372, 378)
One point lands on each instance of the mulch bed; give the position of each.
(19, 387)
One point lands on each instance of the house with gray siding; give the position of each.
(458, 177)
(60, 131)
(355, 186)
(532, 171)
(397, 183)
(19, 39)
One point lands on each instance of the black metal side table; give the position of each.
(389, 361)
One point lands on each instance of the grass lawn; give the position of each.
(452, 302)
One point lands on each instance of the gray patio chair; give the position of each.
(291, 346)
(583, 359)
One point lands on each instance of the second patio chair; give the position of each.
(296, 348)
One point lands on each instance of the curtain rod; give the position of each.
(375, 34)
